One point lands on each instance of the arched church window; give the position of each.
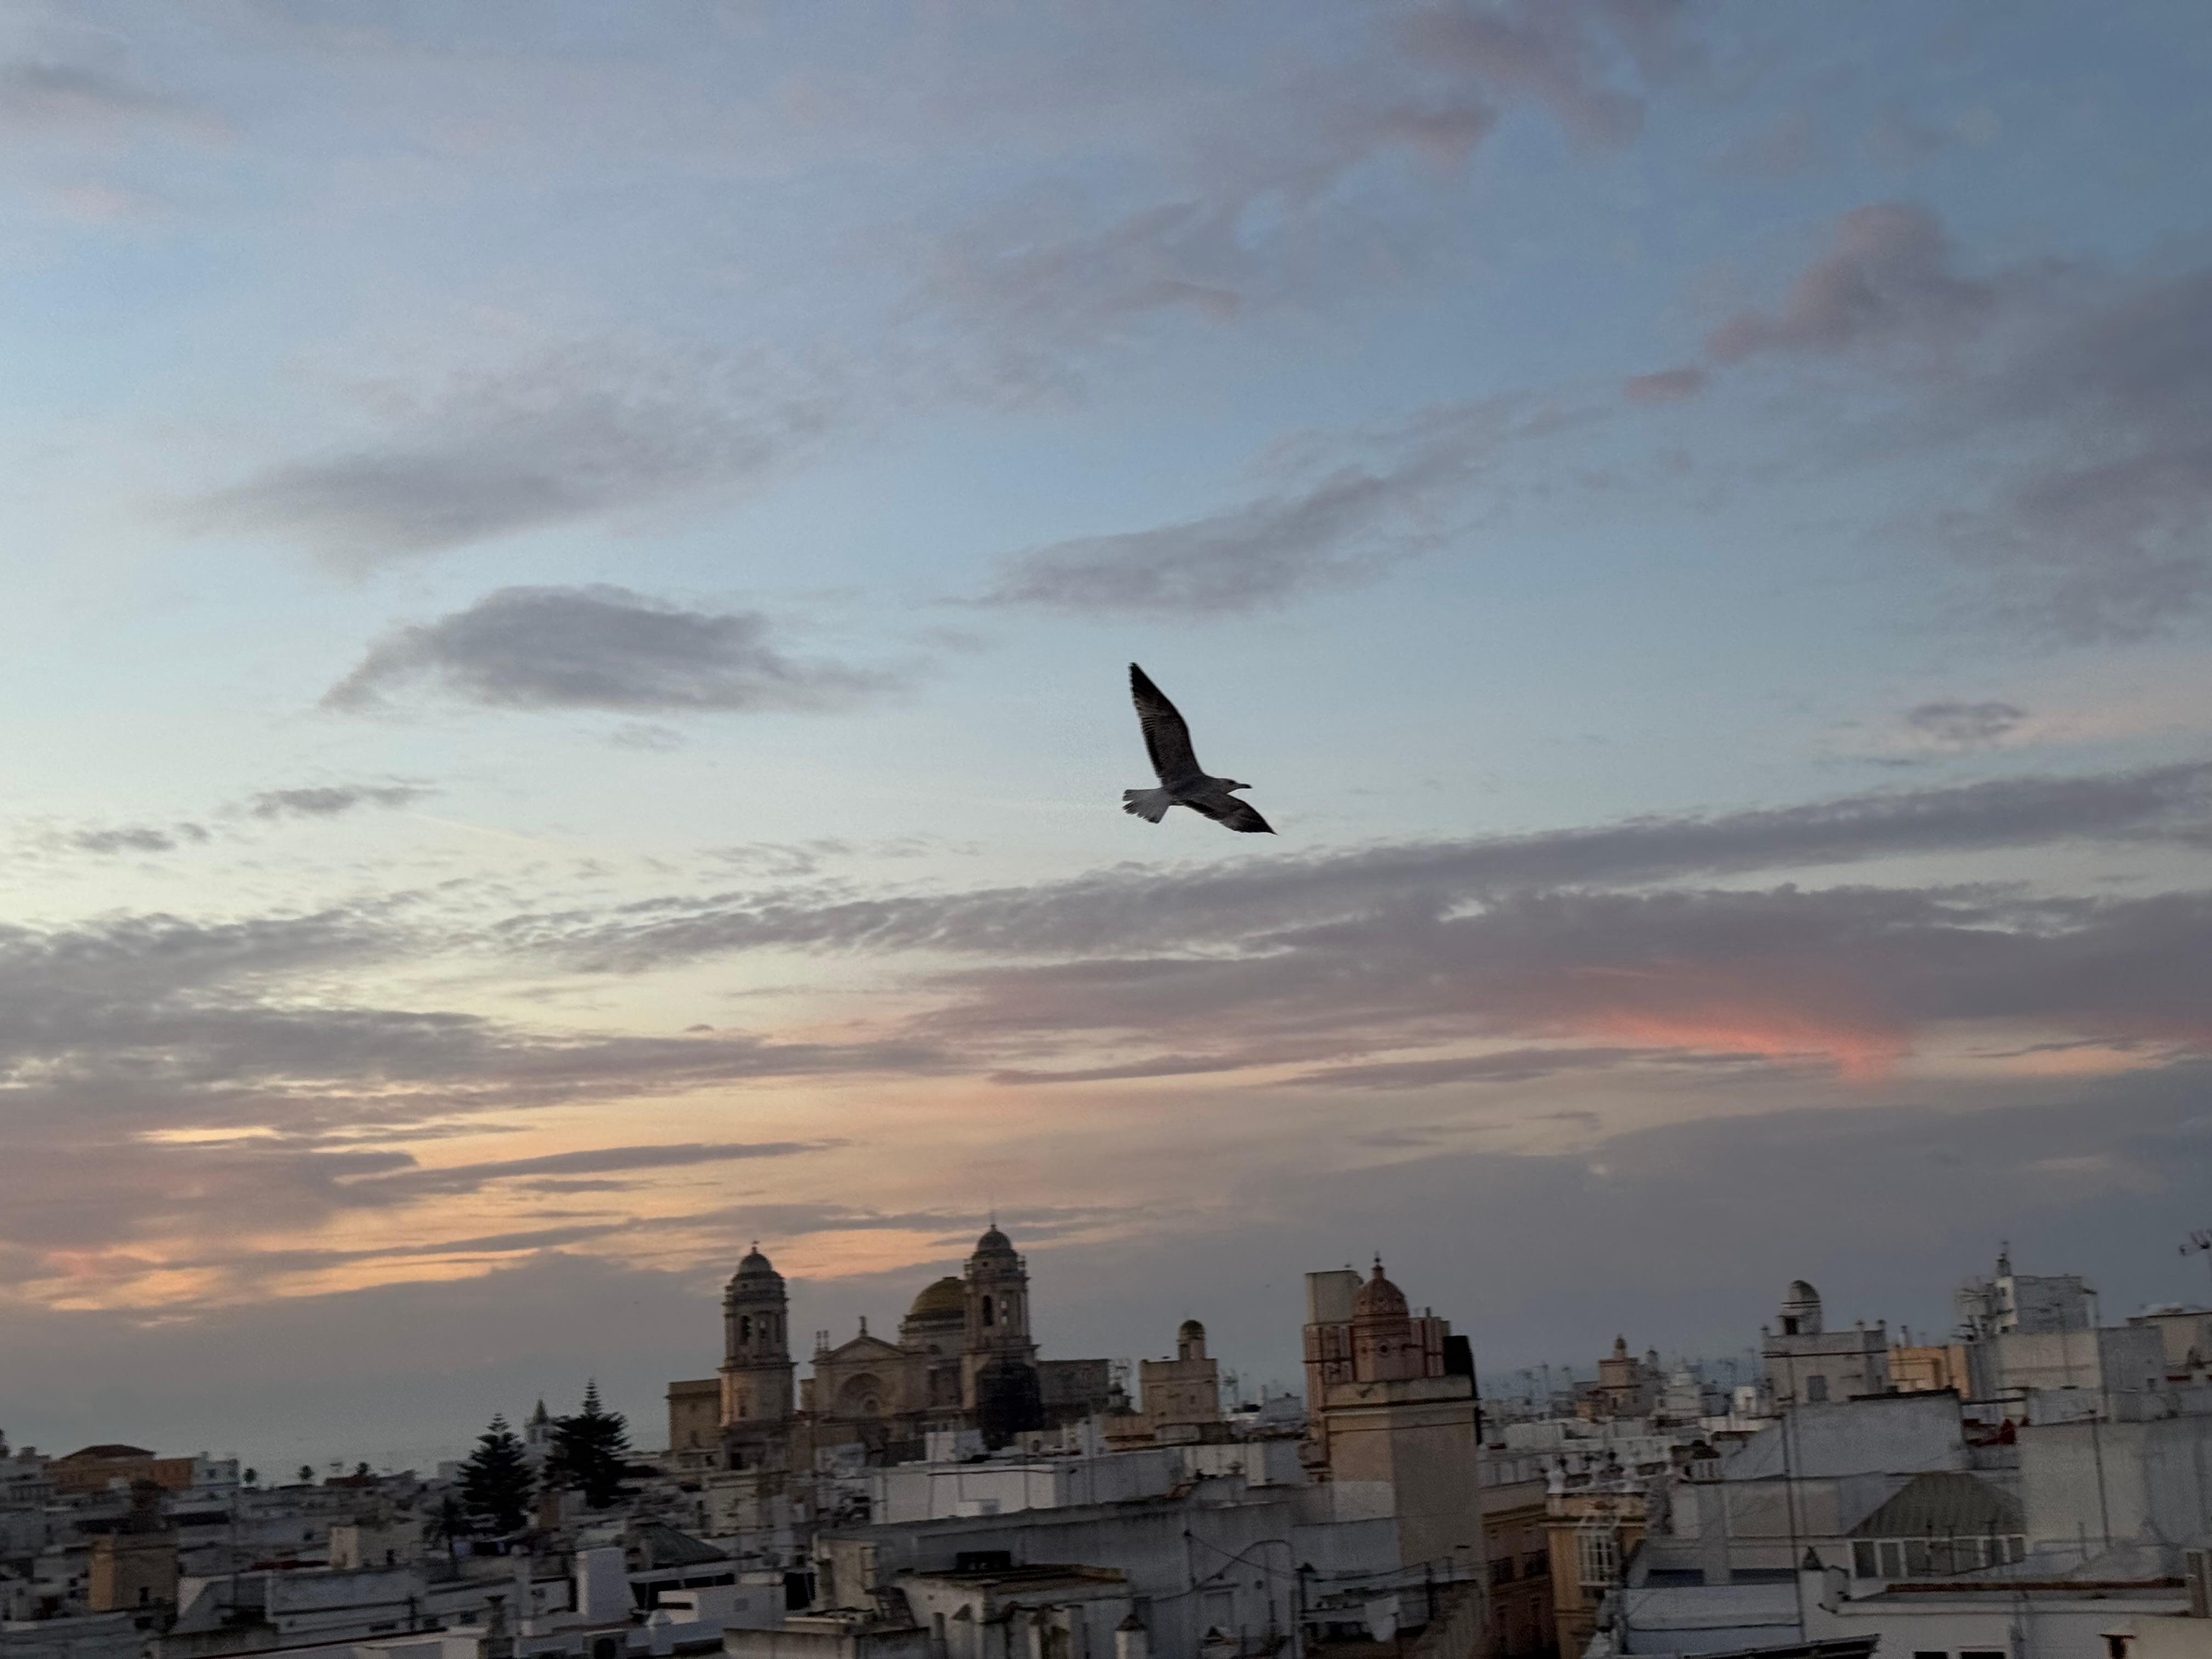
(745, 1328)
(988, 1312)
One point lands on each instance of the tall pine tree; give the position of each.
(591, 1451)
(496, 1481)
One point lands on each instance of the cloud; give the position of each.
(1509, 1065)
(164, 1077)
(456, 1179)
(135, 838)
(1241, 208)
(1141, 972)
(568, 433)
(1343, 527)
(2096, 386)
(1853, 977)
(1964, 724)
(330, 800)
(1113, 909)
(601, 648)
(1667, 386)
(1564, 56)
(1886, 278)
(88, 99)
(1884, 284)
(1160, 1066)
(2109, 526)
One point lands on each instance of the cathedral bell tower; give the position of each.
(998, 1360)
(756, 1369)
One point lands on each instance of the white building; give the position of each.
(2030, 1304)
(1809, 1364)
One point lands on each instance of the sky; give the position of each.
(571, 573)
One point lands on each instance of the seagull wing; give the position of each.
(1226, 808)
(1167, 739)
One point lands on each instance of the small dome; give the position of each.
(1191, 1331)
(946, 1299)
(1379, 1298)
(755, 1266)
(1800, 1293)
(994, 1243)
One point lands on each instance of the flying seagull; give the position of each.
(1183, 782)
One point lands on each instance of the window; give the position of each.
(745, 1328)
(1932, 1558)
(1597, 1557)
(988, 1312)
(1931, 1653)
(1816, 1389)
(1501, 1570)
(1536, 1564)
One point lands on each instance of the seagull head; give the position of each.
(1232, 785)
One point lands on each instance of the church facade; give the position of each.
(964, 1359)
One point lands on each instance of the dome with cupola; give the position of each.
(1379, 1298)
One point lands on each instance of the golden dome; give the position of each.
(946, 1299)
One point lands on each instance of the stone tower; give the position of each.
(756, 1369)
(998, 1289)
(998, 1360)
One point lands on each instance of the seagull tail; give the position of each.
(1149, 805)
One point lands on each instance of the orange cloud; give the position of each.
(1789, 1015)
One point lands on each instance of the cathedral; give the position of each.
(963, 1359)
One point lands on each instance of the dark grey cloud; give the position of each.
(1344, 526)
(136, 838)
(1851, 978)
(454, 1179)
(573, 434)
(1964, 724)
(1509, 1065)
(1159, 1066)
(1113, 910)
(331, 800)
(601, 648)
